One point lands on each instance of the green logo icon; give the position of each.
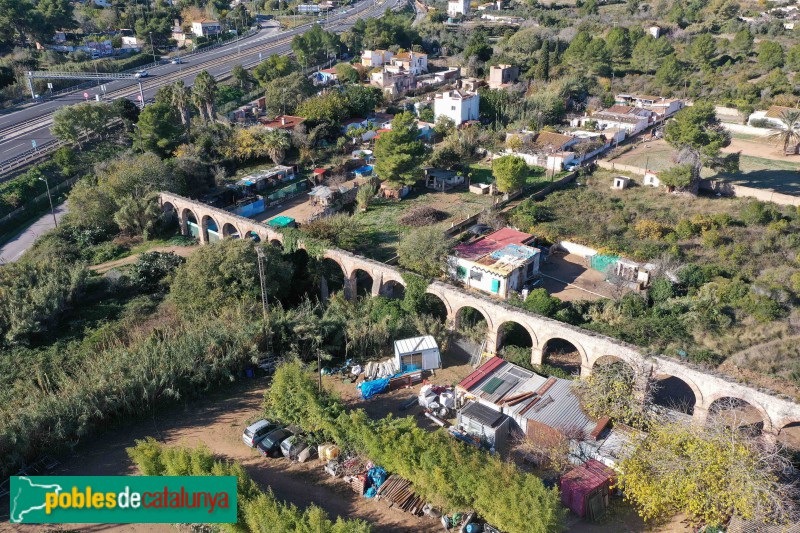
(122, 499)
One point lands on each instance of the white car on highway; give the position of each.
(141, 74)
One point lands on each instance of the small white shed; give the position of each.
(417, 353)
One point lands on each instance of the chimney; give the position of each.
(283, 120)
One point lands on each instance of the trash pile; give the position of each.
(383, 369)
(375, 478)
(383, 376)
(465, 523)
(372, 481)
(439, 400)
(371, 388)
(344, 369)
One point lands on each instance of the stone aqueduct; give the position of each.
(776, 412)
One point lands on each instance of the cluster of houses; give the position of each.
(630, 115)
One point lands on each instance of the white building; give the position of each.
(662, 107)
(620, 117)
(459, 105)
(417, 353)
(206, 27)
(414, 63)
(375, 58)
(457, 7)
(497, 263)
(651, 179)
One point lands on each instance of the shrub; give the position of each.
(685, 229)
(153, 267)
(712, 238)
(539, 301)
(106, 251)
(661, 290)
(650, 229)
(257, 511)
(756, 213)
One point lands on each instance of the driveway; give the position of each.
(568, 278)
(13, 249)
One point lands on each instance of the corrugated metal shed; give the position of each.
(415, 344)
(557, 407)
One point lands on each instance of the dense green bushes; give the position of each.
(258, 511)
(126, 376)
(34, 296)
(443, 470)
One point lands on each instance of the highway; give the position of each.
(19, 128)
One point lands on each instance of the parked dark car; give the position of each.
(270, 446)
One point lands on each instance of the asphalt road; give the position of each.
(19, 128)
(13, 249)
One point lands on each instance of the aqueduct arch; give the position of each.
(776, 412)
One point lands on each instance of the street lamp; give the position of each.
(52, 209)
(152, 47)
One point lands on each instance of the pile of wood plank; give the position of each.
(406, 380)
(397, 491)
(358, 483)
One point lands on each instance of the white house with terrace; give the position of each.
(458, 105)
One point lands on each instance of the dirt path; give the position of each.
(183, 251)
(217, 422)
(763, 149)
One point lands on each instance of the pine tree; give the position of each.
(543, 66)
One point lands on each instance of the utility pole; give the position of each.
(152, 47)
(319, 369)
(264, 304)
(52, 210)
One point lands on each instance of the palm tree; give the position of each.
(181, 98)
(277, 143)
(203, 94)
(787, 133)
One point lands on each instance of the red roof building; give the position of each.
(492, 242)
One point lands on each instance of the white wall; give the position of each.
(484, 284)
(577, 249)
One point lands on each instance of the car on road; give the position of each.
(176, 61)
(270, 445)
(254, 433)
(141, 74)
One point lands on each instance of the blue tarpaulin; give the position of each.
(377, 475)
(371, 388)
